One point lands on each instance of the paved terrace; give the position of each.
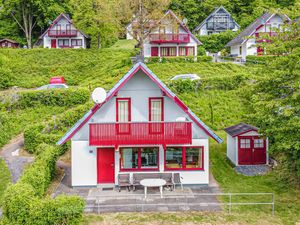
(102, 200)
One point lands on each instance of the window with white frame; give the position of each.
(258, 143)
(245, 143)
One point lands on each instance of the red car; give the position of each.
(57, 80)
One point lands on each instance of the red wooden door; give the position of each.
(245, 150)
(105, 165)
(154, 51)
(53, 43)
(259, 155)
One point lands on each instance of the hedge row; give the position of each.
(53, 130)
(52, 97)
(23, 202)
(259, 59)
(191, 59)
(218, 83)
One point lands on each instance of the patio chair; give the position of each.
(168, 178)
(124, 181)
(177, 180)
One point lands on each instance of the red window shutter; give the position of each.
(154, 51)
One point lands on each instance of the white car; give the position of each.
(191, 77)
(52, 86)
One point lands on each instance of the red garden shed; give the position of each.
(245, 146)
(8, 43)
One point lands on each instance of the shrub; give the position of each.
(54, 97)
(224, 83)
(201, 51)
(263, 59)
(182, 86)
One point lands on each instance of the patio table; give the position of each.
(153, 183)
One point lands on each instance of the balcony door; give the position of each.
(123, 115)
(156, 115)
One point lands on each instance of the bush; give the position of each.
(52, 131)
(224, 83)
(263, 59)
(54, 97)
(201, 51)
(190, 59)
(182, 86)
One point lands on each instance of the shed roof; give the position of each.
(9, 40)
(240, 129)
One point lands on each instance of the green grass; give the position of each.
(124, 44)
(4, 178)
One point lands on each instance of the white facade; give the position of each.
(139, 89)
(62, 40)
(248, 47)
(167, 36)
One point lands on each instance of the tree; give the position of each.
(275, 99)
(29, 14)
(145, 13)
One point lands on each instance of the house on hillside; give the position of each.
(141, 126)
(245, 43)
(8, 43)
(62, 33)
(245, 146)
(170, 37)
(218, 21)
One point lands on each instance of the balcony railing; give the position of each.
(169, 38)
(62, 33)
(140, 133)
(263, 36)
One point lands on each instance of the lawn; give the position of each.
(4, 178)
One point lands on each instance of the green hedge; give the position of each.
(190, 59)
(53, 130)
(23, 202)
(51, 97)
(263, 59)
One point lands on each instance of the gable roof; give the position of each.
(210, 15)
(263, 19)
(9, 40)
(67, 17)
(240, 128)
(170, 12)
(120, 84)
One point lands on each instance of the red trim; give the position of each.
(117, 108)
(140, 160)
(186, 50)
(107, 176)
(183, 148)
(168, 51)
(244, 132)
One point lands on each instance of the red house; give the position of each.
(8, 43)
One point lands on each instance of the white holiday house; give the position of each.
(142, 126)
(170, 37)
(245, 43)
(218, 21)
(62, 33)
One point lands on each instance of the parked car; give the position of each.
(186, 77)
(55, 82)
(52, 86)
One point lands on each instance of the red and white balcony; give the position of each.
(140, 133)
(62, 33)
(169, 38)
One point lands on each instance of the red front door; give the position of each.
(251, 150)
(53, 43)
(154, 51)
(105, 165)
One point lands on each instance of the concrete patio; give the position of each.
(105, 199)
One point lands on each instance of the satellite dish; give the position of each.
(185, 20)
(99, 95)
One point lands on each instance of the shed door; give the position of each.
(53, 43)
(105, 165)
(154, 51)
(245, 150)
(259, 151)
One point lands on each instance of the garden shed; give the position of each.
(245, 146)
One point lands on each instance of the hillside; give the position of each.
(218, 99)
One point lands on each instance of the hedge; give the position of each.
(263, 59)
(23, 202)
(190, 59)
(53, 130)
(52, 97)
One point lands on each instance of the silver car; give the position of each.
(52, 86)
(191, 77)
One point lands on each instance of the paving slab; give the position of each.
(252, 170)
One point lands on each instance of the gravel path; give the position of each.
(15, 162)
(252, 170)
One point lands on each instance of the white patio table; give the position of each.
(153, 183)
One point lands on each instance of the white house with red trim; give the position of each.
(245, 146)
(62, 33)
(142, 126)
(246, 42)
(170, 38)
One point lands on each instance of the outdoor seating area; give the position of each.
(131, 181)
